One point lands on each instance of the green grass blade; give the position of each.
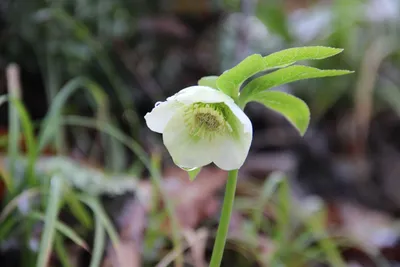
(136, 148)
(77, 209)
(315, 224)
(51, 122)
(269, 187)
(29, 135)
(62, 229)
(99, 243)
(113, 131)
(53, 84)
(13, 119)
(7, 226)
(61, 251)
(115, 159)
(103, 221)
(50, 221)
(51, 126)
(4, 140)
(13, 204)
(83, 33)
(283, 213)
(101, 216)
(7, 178)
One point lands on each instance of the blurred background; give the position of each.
(86, 183)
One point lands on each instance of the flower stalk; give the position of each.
(224, 221)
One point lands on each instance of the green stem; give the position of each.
(223, 227)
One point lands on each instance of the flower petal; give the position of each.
(158, 118)
(187, 152)
(242, 117)
(202, 94)
(230, 153)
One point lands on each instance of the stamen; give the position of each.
(206, 120)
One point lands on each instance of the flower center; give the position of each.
(206, 120)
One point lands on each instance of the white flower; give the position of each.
(201, 125)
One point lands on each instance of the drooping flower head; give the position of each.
(201, 125)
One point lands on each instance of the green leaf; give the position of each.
(286, 75)
(230, 81)
(210, 81)
(289, 56)
(291, 107)
(193, 173)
